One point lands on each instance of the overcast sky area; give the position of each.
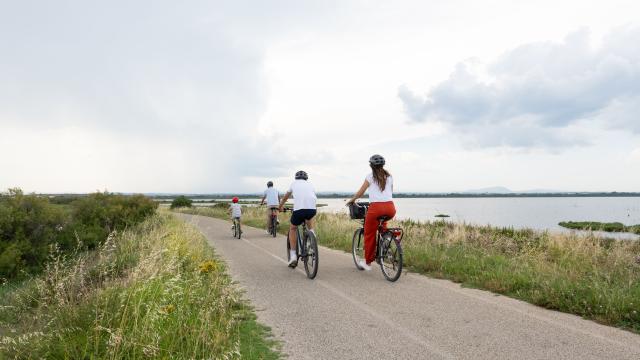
(222, 96)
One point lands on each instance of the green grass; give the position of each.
(600, 226)
(154, 291)
(595, 278)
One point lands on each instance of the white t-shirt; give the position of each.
(271, 195)
(375, 195)
(304, 196)
(236, 210)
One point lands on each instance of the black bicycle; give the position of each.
(273, 223)
(236, 228)
(389, 248)
(307, 249)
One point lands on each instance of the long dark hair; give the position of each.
(380, 176)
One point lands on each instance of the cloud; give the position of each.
(144, 74)
(532, 92)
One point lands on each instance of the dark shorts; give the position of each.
(299, 216)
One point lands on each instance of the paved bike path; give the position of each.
(350, 314)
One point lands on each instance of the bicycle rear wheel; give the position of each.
(311, 258)
(391, 253)
(234, 228)
(239, 230)
(274, 226)
(357, 247)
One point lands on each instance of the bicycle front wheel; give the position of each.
(391, 258)
(311, 258)
(357, 247)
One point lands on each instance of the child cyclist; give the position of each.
(304, 209)
(235, 210)
(273, 200)
(380, 185)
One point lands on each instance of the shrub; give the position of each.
(30, 225)
(97, 215)
(181, 201)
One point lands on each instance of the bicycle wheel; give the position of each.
(274, 226)
(311, 252)
(239, 233)
(357, 247)
(288, 247)
(233, 228)
(391, 253)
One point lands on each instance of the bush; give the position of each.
(30, 225)
(181, 201)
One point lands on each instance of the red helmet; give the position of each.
(235, 199)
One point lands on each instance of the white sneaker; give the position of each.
(363, 265)
(267, 231)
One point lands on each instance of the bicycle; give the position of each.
(307, 249)
(273, 224)
(389, 253)
(236, 228)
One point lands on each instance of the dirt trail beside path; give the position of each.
(349, 314)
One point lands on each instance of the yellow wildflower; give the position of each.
(208, 266)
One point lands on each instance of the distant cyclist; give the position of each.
(304, 209)
(273, 201)
(380, 185)
(235, 210)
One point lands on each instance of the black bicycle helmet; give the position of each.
(302, 175)
(376, 160)
(270, 184)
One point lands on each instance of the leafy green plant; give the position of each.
(30, 226)
(181, 201)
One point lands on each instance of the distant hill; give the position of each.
(490, 190)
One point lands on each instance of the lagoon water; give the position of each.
(535, 213)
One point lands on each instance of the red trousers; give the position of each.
(376, 210)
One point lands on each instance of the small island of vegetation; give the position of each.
(601, 226)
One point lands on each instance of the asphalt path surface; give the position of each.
(345, 313)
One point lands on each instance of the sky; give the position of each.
(222, 96)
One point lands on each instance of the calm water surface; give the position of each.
(535, 213)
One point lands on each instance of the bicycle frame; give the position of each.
(301, 239)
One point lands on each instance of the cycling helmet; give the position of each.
(235, 199)
(376, 160)
(270, 184)
(302, 175)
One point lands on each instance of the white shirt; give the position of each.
(304, 196)
(375, 195)
(271, 195)
(236, 210)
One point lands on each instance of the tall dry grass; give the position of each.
(586, 275)
(156, 291)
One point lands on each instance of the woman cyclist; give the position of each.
(380, 185)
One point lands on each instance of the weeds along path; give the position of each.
(350, 314)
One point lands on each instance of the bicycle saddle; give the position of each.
(384, 218)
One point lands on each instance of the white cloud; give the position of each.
(536, 91)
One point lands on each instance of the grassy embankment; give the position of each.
(154, 290)
(600, 226)
(584, 275)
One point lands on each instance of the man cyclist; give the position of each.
(273, 201)
(304, 209)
